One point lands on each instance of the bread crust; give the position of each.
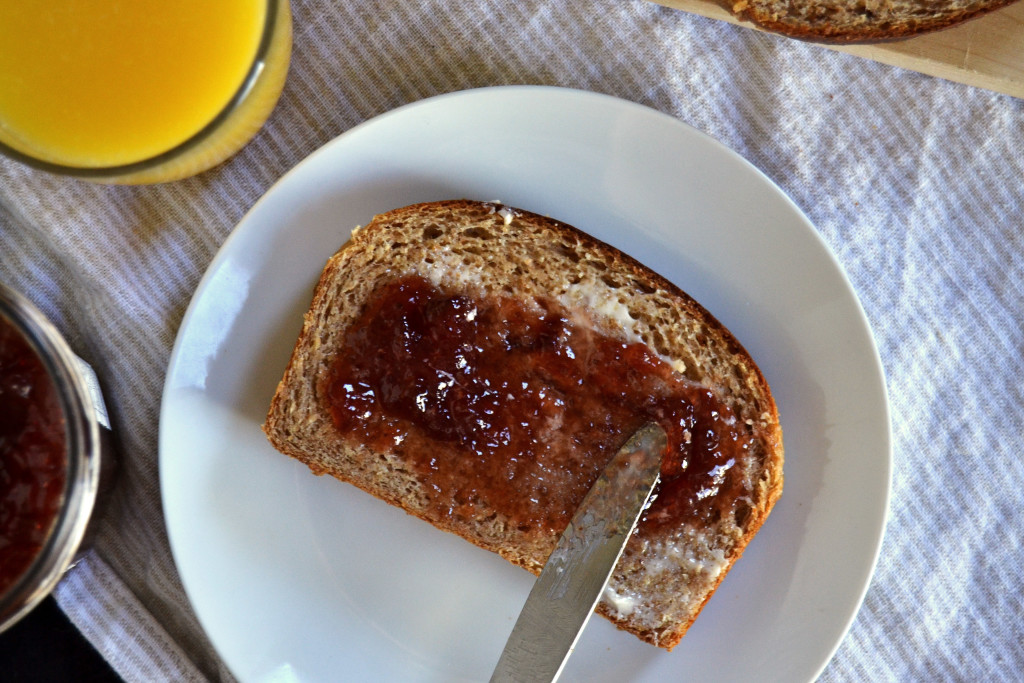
(449, 241)
(859, 21)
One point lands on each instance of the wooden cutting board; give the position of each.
(987, 52)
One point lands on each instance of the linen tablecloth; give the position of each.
(916, 184)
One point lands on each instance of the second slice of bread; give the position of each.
(860, 21)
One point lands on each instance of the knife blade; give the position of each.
(575, 574)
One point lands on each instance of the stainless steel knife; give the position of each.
(569, 586)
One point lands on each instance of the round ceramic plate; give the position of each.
(296, 577)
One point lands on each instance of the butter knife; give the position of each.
(573, 578)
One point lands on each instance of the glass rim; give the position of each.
(82, 471)
(236, 101)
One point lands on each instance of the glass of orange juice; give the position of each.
(138, 91)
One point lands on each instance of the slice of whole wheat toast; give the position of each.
(485, 252)
(859, 21)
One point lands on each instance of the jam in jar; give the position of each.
(33, 457)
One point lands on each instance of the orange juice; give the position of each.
(94, 84)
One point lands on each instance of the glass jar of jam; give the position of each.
(52, 456)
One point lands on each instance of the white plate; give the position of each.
(296, 577)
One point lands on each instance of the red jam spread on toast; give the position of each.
(516, 408)
(32, 455)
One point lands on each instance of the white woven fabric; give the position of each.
(917, 184)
